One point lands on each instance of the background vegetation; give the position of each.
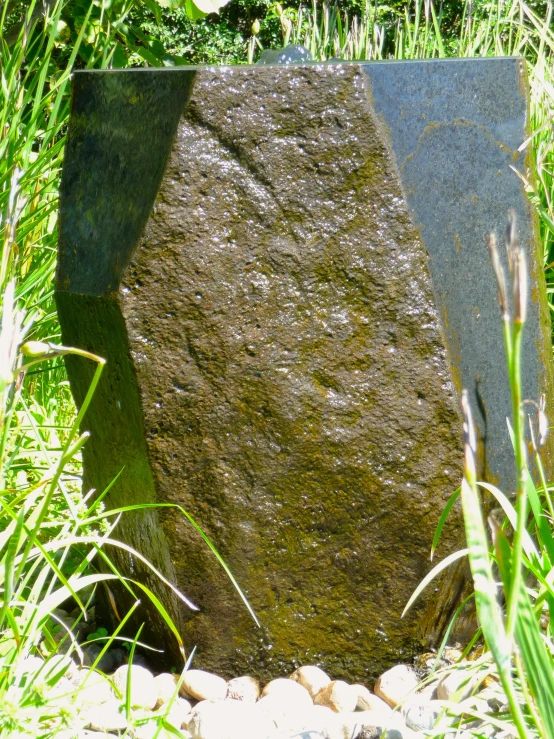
(50, 535)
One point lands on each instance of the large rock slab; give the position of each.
(237, 243)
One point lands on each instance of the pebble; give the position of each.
(93, 688)
(151, 730)
(243, 688)
(368, 701)
(338, 696)
(396, 684)
(166, 686)
(60, 663)
(221, 719)
(312, 678)
(108, 662)
(422, 716)
(286, 689)
(85, 734)
(459, 683)
(366, 722)
(179, 713)
(143, 688)
(106, 717)
(289, 716)
(306, 705)
(26, 669)
(204, 685)
(495, 697)
(321, 719)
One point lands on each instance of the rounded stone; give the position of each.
(422, 716)
(312, 678)
(85, 734)
(151, 730)
(108, 662)
(221, 719)
(348, 725)
(396, 684)
(179, 713)
(372, 724)
(204, 685)
(143, 688)
(338, 696)
(320, 719)
(92, 688)
(459, 683)
(166, 685)
(106, 717)
(59, 662)
(288, 690)
(243, 688)
(27, 668)
(368, 701)
(290, 716)
(496, 698)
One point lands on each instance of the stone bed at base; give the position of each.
(306, 705)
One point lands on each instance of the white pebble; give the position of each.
(204, 685)
(396, 684)
(143, 688)
(338, 696)
(312, 678)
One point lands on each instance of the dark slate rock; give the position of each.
(110, 660)
(456, 127)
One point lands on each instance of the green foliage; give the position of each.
(182, 41)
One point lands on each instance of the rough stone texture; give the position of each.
(276, 363)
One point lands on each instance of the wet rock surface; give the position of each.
(276, 367)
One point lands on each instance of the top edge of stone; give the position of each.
(360, 62)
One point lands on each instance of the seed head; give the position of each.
(499, 273)
(35, 348)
